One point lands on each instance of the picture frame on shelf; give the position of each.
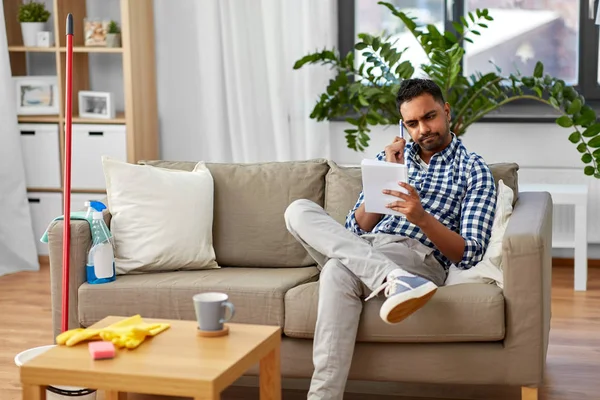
(94, 32)
(99, 105)
(36, 95)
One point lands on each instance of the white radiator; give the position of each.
(563, 218)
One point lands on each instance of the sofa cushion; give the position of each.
(508, 172)
(343, 185)
(151, 208)
(342, 188)
(257, 294)
(250, 201)
(461, 313)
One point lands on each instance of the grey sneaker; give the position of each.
(405, 295)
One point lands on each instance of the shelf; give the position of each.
(91, 191)
(84, 49)
(39, 118)
(32, 49)
(120, 119)
(76, 49)
(563, 243)
(45, 190)
(60, 190)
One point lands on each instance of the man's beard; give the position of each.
(435, 140)
(432, 141)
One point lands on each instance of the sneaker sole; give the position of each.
(406, 303)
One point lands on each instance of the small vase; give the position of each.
(113, 40)
(29, 30)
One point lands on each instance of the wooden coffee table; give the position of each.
(176, 362)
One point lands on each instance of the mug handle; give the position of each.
(231, 311)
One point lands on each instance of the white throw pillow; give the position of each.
(489, 269)
(161, 219)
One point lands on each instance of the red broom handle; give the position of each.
(67, 176)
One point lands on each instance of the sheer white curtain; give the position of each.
(227, 88)
(17, 242)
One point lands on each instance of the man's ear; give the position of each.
(447, 111)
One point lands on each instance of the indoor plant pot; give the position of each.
(113, 35)
(29, 30)
(32, 16)
(113, 40)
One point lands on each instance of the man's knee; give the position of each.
(336, 275)
(296, 210)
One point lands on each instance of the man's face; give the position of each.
(428, 122)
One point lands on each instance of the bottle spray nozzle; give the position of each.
(97, 205)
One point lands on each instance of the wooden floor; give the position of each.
(573, 365)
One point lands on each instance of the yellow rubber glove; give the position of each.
(131, 337)
(75, 336)
(129, 332)
(63, 337)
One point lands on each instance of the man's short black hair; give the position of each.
(411, 88)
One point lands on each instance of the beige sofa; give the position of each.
(474, 334)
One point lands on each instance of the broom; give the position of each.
(67, 176)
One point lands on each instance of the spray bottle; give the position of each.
(101, 259)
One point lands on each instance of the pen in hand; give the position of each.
(394, 152)
(401, 129)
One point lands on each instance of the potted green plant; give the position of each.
(113, 35)
(364, 95)
(32, 16)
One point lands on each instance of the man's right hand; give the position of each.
(394, 152)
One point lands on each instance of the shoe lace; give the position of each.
(389, 287)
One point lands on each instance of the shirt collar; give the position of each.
(445, 156)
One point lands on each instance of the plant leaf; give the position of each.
(592, 131)
(564, 121)
(589, 170)
(586, 158)
(575, 107)
(586, 117)
(595, 142)
(538, 71)
(575, 137)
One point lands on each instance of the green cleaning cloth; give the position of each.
(80, 215)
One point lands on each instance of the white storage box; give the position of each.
(41, 155)
(90, 143)
(44, 207)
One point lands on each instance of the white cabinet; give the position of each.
(90, 143)
(44, 207)
(41, 155)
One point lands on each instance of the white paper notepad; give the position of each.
(377, 176)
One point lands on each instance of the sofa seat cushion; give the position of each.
(462, 313)
(257, 294)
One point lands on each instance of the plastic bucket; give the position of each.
(55, 392)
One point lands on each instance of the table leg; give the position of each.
(34, 392)
(581, 261)
(114, 395)
(270, 375)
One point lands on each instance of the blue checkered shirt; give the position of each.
(457, 188)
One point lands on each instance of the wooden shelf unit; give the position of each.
(140, 115)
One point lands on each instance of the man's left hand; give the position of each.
(411, 206)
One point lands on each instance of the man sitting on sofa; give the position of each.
(448, 216)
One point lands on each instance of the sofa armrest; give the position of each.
(527, 264)
(81, 240)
